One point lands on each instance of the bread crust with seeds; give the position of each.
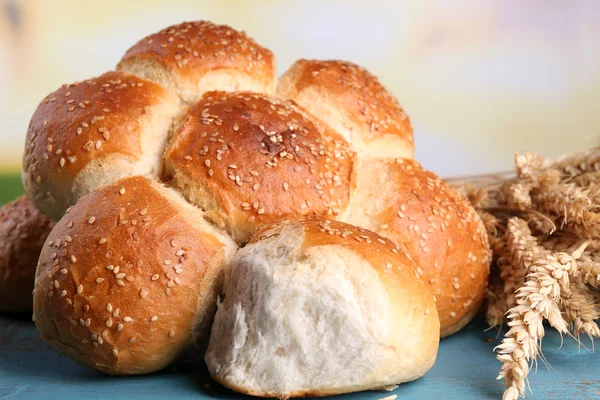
(315, 308)
(192, 58)
(247, 160)
(436, 226)
(128, 277)
(23, 231)
(91, 133)
(351, 101)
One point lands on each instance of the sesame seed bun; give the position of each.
(127, 278)
(247, 160)
(315, 308)
(88, 134)
(351, 101)
(436, 226)
(23, 230)
(192, 58)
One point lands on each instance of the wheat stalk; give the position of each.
(543, 226)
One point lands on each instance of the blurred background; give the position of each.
(480, 79)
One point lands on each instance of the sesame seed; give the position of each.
(64, 271)
(102, 240)
(73, 259)
(120, 283)
(99, 280)
(452, 314)
(122, 190)
(110, 267)
(119, 327)
(92, 220)
(109, 323)
(155, 277)
(63, 293)
(154, 318)
(127, 319)
(109, 307)
(80, 289)
(132, 340)
(115, 352)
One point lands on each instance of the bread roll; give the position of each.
(23, 231)
(249, 159)
(192, 58)
(352, 102)
(127, 278)
(438, 228)
(92, 133)
(316, 308)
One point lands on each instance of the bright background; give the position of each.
(479, 79)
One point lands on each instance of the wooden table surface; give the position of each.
(465, 369)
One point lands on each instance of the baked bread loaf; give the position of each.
(316, 308)
(393, 195)
(192, 58)
(23, 231)
(353, 103)
(434, 224)
(192, 106)
(128, 278)
(89, 134)
(247, 160)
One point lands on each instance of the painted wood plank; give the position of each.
(465, 369)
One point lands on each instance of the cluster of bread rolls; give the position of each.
(159, 171)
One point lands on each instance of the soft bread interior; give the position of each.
(299, 320)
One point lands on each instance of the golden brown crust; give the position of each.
(190, 50)
(83, 122)
(378, 250)
(366, 104)
(23, 231)
(125, 278)
(249, 160)
(441, 231)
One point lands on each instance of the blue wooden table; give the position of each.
(465, 369)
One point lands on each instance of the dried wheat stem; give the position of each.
(579, 163)
(535, 301)
(580, 311)
(521, 247)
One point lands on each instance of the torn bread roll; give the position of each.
(437, 226)
(91, 133)
(351, 101)
(192, 58)
(315, 308)
(23, 231)
(248, 159)
(128, 277)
